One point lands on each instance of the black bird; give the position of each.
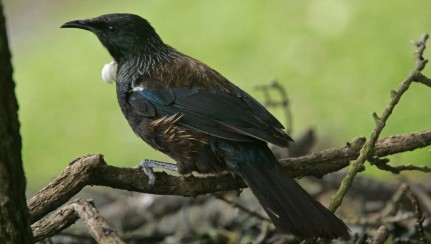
(192, 113)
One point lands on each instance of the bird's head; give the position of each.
(124, 35)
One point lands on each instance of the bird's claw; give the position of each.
(148, 170)
(147, 166)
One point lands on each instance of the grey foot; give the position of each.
(147, 166)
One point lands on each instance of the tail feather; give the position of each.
(288, 205)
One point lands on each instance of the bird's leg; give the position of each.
(147, 166)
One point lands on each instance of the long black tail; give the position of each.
(289, 206)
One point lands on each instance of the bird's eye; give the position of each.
(111, 28)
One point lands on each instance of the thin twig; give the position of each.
(284, 103)
(393, 203)
(376, 219)
(397, 169)
(420, 78)
(418, 214)
(367, 150)
(243, 208)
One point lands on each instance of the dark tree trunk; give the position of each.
(14, 224)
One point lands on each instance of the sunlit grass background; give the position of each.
(337, 59)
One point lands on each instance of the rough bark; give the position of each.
(68, 214)
(93, 170)
(14, 224)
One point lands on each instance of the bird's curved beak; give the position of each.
(80, 24)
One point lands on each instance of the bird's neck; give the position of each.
(144, 60)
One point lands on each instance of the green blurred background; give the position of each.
(338, 60)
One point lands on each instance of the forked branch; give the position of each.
(367, 151)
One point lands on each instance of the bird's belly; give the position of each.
(190, 149)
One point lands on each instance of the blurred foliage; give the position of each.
(338, 60)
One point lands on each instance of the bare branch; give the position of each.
(269, 102)
(367, 150)
(321, 163)
(243, 208)
(420, 78)
(93, 170)
(68, 214)
(418, 213)
(382, 164)
(61, 219)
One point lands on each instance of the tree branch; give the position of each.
(69, 214)
(243, 208)
(93, 170)
(383, 165)
(367, 150)
(321, 163)
(61, 219)
(420, 78)
(418, 213)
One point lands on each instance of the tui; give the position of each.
(192, 113)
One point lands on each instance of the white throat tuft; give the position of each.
(109, 72)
